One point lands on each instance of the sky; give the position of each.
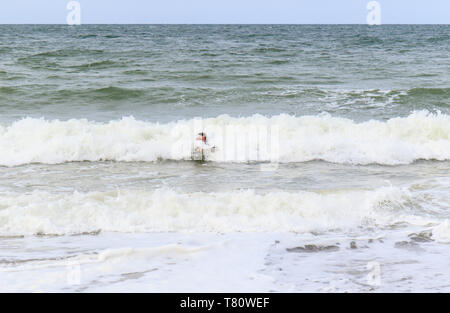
(225, 11)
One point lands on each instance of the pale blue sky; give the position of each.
(226, 11)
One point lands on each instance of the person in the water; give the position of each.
(201, 137)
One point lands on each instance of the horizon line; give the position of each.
(62, 24)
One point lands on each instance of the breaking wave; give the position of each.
(282, 138)
(165, 210)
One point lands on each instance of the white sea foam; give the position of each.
(441, 232)
(166, 210)
(282, 138)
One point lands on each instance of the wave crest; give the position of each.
(166, 210)
(282, 138)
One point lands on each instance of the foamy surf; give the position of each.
(167, 210)
(138, 224)
(441, 232)
(282, 138)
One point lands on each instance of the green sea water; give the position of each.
(97, 192)
(167, 72)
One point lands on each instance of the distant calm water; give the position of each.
(98, 191)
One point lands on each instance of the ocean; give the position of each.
(332, 169)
